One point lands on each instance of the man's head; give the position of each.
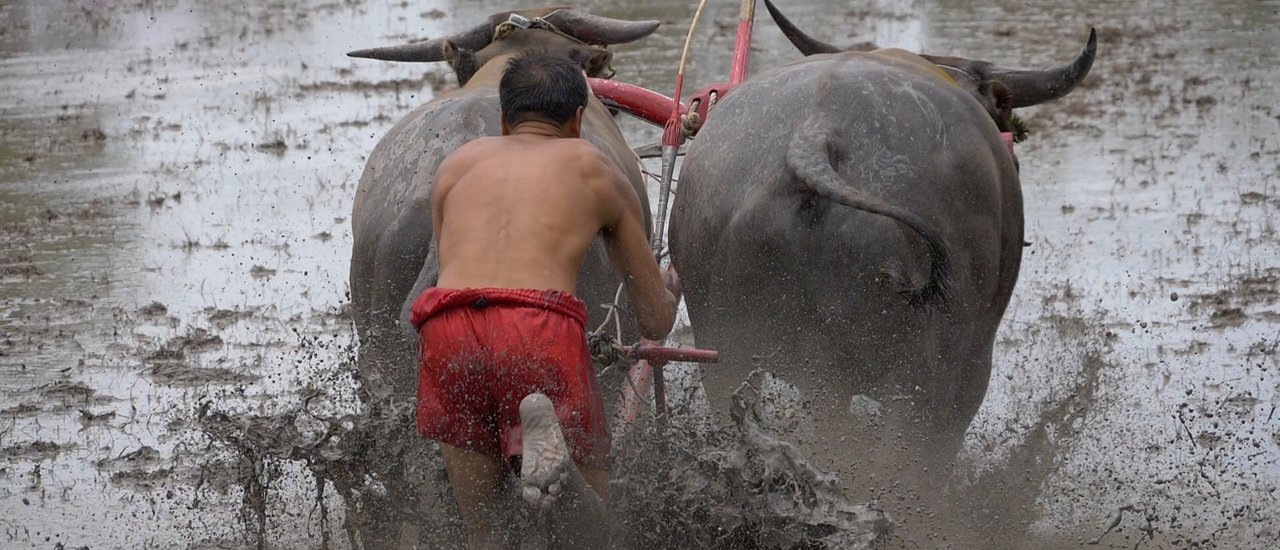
(545, 88)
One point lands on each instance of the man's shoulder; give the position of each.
(568, 145)
(587, 153)
(478, 144)
(471, 153)
(576, 146)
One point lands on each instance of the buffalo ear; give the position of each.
(1001, 101)
(462, 61)
(1004, 104)
(1004, 97)
(594, 61)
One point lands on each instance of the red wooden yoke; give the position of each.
(664, 111)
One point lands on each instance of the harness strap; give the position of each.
(517, 21)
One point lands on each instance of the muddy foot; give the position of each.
(546, 467)
(564, 505)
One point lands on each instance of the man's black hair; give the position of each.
(542, 86)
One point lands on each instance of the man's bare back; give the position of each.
(521, 210)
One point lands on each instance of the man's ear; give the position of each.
(575, 123)
(506, 130)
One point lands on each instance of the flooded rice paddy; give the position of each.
(175, 190)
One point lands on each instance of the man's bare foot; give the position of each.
(546, 466)
(552, 484)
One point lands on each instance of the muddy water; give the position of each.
(177, 177)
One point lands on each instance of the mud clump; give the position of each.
(20, 270)
(277, 146)
(20, 409)
(142, 479)
(1228, 317)
(174, 374)
(261, 272)
(226, 317)
(175, 350)
(142, 456)
(66, 391)
(89, 419)
(35, 450)
(154, 309)
(60, 396)
(138, 468)
(168, 362)
(437, 81)
(93, 135)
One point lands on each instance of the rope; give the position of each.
(613, 311)
(689, 123)
(517, 21)
(605, 350)
(688, 39)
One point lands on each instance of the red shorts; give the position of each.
(484, 349)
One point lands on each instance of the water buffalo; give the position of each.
(391, 260)
(853, 221)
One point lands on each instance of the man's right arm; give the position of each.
(628, 248)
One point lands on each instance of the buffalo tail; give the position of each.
(809, 159)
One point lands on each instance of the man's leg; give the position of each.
(598, 478)
(477, 485)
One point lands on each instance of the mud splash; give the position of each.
(735, 487)
(332, 440)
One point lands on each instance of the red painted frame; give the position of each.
(664, 111)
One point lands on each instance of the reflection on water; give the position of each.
(171, 166)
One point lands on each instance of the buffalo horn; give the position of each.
(1031, 87)
(429, 51)
(807, 45)
(600, 31)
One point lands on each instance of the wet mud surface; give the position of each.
(176, 352)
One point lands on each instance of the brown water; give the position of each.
(176, 181)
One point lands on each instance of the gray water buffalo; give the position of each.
(853, 221)
(391, 257)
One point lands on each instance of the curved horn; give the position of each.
(807, 45)
(432, 50)
(600, 31)
(1031, 87)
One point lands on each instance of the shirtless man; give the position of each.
(514, 216)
